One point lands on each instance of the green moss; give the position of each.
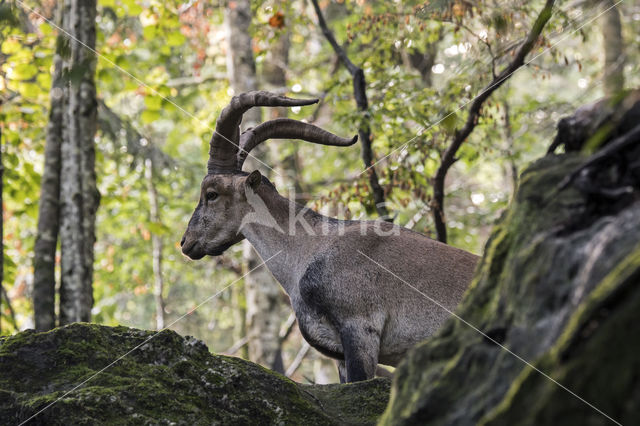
(587, 360)
(547, 290)
(168, 379)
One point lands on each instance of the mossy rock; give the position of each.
(558, 286)
(162, 378)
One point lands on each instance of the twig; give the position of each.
(484, 41)
(298, 359)
(236, 346)
(449, 156)
(287, 327)
(364, 131)
(111, 124)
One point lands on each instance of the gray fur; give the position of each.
(347, 307)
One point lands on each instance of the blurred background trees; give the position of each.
(165, 71)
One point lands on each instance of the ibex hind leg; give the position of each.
(361, 345)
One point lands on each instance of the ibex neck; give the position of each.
(285, 235)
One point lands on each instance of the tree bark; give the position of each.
(241, 70)
(156, 244)
(44, 258)
(241, 67)
(262, 293)
(264, 304)
(79, 194)
(449, 156)
(614, 57)
(1, 231)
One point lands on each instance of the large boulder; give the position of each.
(549, 331)
(93, 374)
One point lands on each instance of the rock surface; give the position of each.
(559, 287)
(167, 380)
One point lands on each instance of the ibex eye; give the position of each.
(211, 196)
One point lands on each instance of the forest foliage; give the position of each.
(161, 82)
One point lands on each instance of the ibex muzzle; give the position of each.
(347, 307)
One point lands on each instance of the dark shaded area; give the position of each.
(168, 380)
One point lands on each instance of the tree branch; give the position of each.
(298, 359)
(364, 131)
(111, 124)
(236, 346)
(449, 156)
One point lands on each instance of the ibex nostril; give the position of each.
(182, 241)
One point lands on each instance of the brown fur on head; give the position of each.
(215, 223)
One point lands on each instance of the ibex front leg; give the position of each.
(361, 344)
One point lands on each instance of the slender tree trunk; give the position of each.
(614, 58)
(79, 194)
(44, 262)
(261, 290)
(513, 167)
(1, 231)
(264, 313)
(241, 70)
(156, 244)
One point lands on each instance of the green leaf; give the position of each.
(10, 46)
(158, 228)
(150, 32)
(449, 121)
(149, 116)
(153, 102)
(175, 38)
(23, 72)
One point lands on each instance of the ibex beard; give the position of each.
(347, 308)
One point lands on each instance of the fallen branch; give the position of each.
(449, 156)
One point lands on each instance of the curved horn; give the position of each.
(286, 128)
(225, 141)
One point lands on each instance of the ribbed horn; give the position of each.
(286, 128)
(225, 141)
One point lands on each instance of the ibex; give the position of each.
(347, 307)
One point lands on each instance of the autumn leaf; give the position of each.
(277, 20)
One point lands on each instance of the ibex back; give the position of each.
(347, 307)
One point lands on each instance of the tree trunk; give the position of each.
(261, 290)
(264, 316)
(614, 58)
(241, 70)
(79, 196)
(44, 258)
(1, 231)
(156, 244)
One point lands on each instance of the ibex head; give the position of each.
(216, 221)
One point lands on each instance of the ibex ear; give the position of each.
(253, 180)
